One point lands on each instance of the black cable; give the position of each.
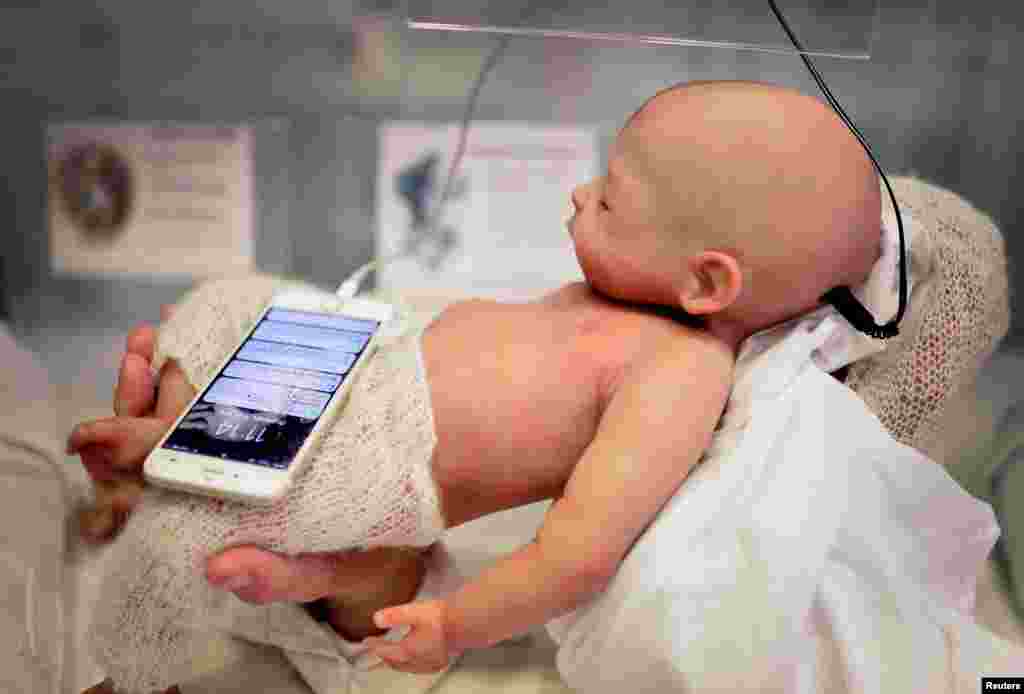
(467, 118)
(841, 297)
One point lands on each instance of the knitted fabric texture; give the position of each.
(953, 323)
(368, 484)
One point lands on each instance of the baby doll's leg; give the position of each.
(374, 579)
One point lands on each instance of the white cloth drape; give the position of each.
(808, 552)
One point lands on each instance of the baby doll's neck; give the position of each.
(729, 333)
(735, 324)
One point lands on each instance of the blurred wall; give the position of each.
(938, 98)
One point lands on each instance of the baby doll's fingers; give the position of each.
(127, 440)
(105, 432)
(393, 655)
(135, 393)
(124, 495)
(142, 341)
(175, 392)
(97, 524)
(98, 463)
(398, 658)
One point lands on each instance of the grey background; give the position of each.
(939, 98)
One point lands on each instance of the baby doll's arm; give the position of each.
(658, 422)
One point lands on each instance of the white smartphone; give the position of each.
(248, 433)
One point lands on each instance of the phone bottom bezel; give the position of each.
(238, 481)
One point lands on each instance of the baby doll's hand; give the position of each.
(134, 396)
(425, 648)
(113, 449)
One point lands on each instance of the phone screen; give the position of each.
(263, 405)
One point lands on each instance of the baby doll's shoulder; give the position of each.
(672, 353)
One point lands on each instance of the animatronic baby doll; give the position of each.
(596, 394)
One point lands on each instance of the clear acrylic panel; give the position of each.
(543, 88)
(822, 27)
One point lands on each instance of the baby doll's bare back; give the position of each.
(517, 391)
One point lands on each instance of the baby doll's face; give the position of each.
(618, 235)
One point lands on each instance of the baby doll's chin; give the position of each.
(608, 292)
(603, 286)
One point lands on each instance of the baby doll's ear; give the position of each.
(713, 282)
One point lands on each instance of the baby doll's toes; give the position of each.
(98, 463)
(121, 494)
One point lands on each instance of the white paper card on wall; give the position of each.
(502, 233)
(150, 199)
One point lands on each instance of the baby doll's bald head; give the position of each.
(769, 177)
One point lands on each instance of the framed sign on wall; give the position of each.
(501, 232)
(150, 199)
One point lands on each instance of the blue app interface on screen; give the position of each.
(266, 401)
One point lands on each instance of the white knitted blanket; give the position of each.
(368, 484)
